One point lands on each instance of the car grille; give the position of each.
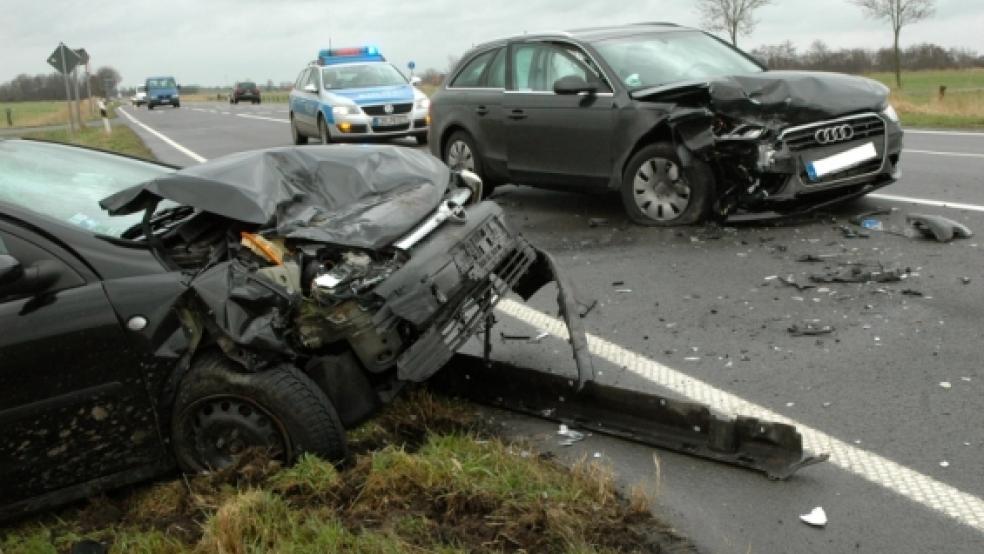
(388, 128)
(381, 109)
(866, 127)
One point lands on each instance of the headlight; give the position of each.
(345, 110)
(890, 113)
(422, 103)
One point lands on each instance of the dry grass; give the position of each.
(122, 140)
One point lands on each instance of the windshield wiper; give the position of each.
(158, 220)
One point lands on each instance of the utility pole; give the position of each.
(68, 94)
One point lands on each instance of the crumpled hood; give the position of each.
(786, 97)
(351, 195)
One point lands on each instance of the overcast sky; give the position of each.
(219, 41)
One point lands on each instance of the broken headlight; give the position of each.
(890, 113)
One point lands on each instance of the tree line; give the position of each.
(51, 86)
(820, 57)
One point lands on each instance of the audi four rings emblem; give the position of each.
(829, 135)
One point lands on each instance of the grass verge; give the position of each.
(443, 483)
(47, 112)
(122, 140)
(919, 103)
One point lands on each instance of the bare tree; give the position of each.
(899, 13)
(735, 17)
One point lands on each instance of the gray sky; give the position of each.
(219, 41)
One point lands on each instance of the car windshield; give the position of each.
(362, 75)
(165, 82)
(661, 58)
(67, 183)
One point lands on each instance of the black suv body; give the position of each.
(684, 125)
(245, 91)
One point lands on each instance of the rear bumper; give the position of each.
(244, 97)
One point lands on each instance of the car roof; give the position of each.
(590, 34)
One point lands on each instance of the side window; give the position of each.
(496, 75)
(522, 64)
(301, 79)
(471, 75)
(28, 253)
(536, 66)
(313, 78)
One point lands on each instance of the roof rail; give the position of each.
(663, 23)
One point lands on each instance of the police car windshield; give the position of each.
(361, 76)
(661, 58)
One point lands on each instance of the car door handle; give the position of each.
(481, 110)
(517, 114)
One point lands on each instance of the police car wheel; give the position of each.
(323, 131)
(295, 134)
(657, 190)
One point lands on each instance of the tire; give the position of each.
(150, 106)
(258, 101)
(296, 135)
(658, 191)
(323, 134)
(421, 138)
(177, 104)
(460, 153)
(220, 412)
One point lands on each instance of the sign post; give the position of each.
(64, 60)
(411, 65)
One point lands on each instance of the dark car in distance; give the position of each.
(153, 318)
(685, 126)
(245, 91)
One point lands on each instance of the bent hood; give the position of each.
(788, 97)
(358, 196)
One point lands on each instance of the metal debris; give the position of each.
(570, 436)
(817, 517)
(597, 222)
(810, 328)
(506, 337)
(789, 280)
(856, 273)
(965, 280)
(912, 292)
(849, 233)
(815, 257)
(938, 227)
(588, 309)
(539, 337)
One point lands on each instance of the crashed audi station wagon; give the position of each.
(685, 126)
(268, 299)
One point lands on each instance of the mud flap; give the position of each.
(543, 271)
(687, 427)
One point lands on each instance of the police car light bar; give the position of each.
(330, 56)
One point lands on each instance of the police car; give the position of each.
(354, 93)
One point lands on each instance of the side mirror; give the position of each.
(10, 269)
(415, 80)
(310, 88)
(574, 84)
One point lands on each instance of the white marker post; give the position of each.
(105, 118)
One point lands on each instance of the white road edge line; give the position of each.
(927, 202)
(917, 487)
(170, 142)
(938, 153)
(922, 489)
(263, 118)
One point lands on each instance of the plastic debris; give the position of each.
(506, 337)
(570, 436)
(965, 280)
(811, 258)
(849, 233)
(588, 309)
(857, 274)
(872, 224)
(623, 291)
(944, 463)
(863, 216)
(597, 222)
(539, 337)
(938, 227)
(817, 517)
(945, 384)
(912, 292)
(790, 281)
(810, 328)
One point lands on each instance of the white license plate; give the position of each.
(839, 162)
(390, 120)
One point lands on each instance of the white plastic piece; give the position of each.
(817, 517)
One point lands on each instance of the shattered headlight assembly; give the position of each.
(890, 113)
(345, 110)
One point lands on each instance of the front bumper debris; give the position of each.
(775, 449)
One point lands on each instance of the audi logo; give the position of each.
(830, 135)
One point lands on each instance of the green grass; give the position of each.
(122, 140)
(41, 113)
(446, 486)
(919, 105)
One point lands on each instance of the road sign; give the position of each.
(412, 65)
(83, 55)
(64, 59)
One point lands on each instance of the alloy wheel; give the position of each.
(460, 156)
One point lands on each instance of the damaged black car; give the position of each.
(154, 318)
(685, 126)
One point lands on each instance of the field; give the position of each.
(41, 113)
(918, 101)
(123, 139)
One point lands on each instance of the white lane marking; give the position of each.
(927, 202)
(170, 142)
(278, 120)
(953, 133)
(226, 113)
(961, 506)
(937, 153)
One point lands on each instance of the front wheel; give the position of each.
(296, 135)
(323, 133)
(221, 413)
(657, 190)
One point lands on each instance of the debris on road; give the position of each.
(856, 273)
(597, 222)
(912, 292)
(506, 338)
(938, 227)
(588, 309)
(817, 517)
(860, 218)
(944, 463)
(815, 257)
(872, 224)
(965, 280)
(946, 384)
(570, 436)
(849, 233)
(623, 291)
(789, 280)
(810, 328)
(539, 337)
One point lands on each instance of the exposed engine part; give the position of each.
(319, 326)
(353, 274)
(287, 275)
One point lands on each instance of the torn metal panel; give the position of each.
(687, 427)
(938, 227)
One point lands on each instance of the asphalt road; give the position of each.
(706, 318)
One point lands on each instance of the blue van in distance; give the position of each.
(161, 91)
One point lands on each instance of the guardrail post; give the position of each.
(942, 91)
(10, 117)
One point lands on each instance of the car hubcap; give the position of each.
(324, 131)
(460, 156)
(659, 189)
(226, 427)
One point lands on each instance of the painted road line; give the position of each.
(927, 202)
(937, 153)
(278, 120)
(917, 487)
(922, 489)
(954, 133)
(170, 142)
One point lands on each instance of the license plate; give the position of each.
(390, 120)
(839, 162)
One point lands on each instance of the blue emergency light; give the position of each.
(330, 56)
